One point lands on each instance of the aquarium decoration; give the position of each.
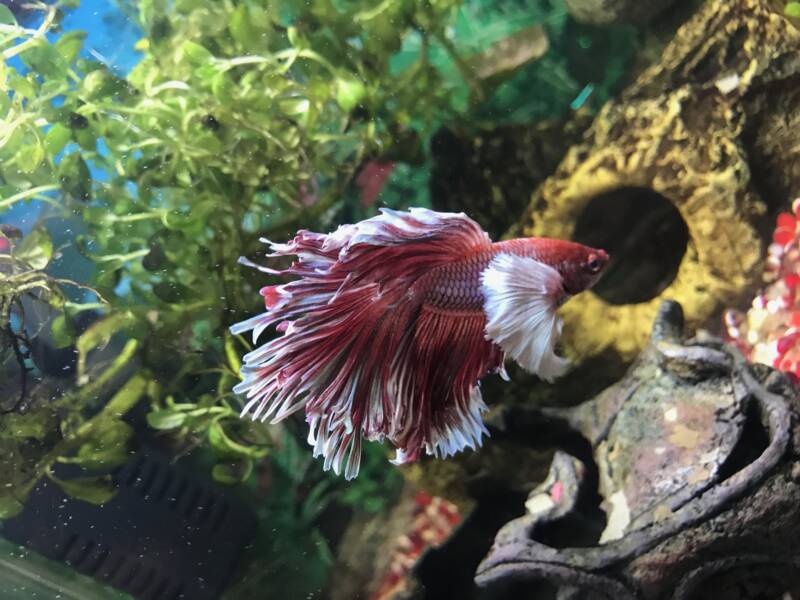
(769, 332)
(667, 173)
(692, 455)
(432, 521)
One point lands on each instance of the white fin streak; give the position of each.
(520, 299)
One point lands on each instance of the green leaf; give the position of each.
(296, 39)
(295, 107)
(208, 142)
(127, 396)
(222, 87)
(9, 505)
(166, 419)
(95, 490)
(70, 44)
(56, 138)
(195, 53)
(62, 331)
(223, 444)
(350, 92)
(22, 86)
(76, 180)
(6, 16)
(86, 139)
(149, 9)
(94, 83)
(35, 249)
(45, 60)
(101, 84)
(99, 334)
(243, 31)
(106, 449)
(30, 156)
(234, 362)
(232, 473)
(34, 424)
(792, 9)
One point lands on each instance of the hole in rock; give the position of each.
(645, 236)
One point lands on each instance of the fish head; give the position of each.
(581, 267)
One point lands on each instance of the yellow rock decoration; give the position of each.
(681, 131)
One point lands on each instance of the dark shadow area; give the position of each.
(751, 582)
(166, 534)
(490, 174)
(751, 444)
(582, 527)
(645, 236)
(446, 572)
(587, 379)
(529, 589)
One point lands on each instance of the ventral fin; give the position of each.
(521, 296)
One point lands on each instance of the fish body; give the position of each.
(392, 323)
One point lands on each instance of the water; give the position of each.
(146, 146)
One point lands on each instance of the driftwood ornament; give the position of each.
(694, 456)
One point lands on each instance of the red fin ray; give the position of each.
(443, 412)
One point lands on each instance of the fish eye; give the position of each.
(593, 264)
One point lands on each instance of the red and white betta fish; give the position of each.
(392, 322)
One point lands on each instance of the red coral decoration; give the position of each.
(769, 332)
(433, 520)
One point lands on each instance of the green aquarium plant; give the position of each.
(37, 432)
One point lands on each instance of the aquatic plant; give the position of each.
(36, 431)
(233, 125)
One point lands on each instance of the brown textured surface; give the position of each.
(675, 132)
(697, 456)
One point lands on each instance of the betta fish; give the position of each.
(391, 323)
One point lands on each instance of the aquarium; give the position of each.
(431, 299)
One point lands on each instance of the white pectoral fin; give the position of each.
(520, 300)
